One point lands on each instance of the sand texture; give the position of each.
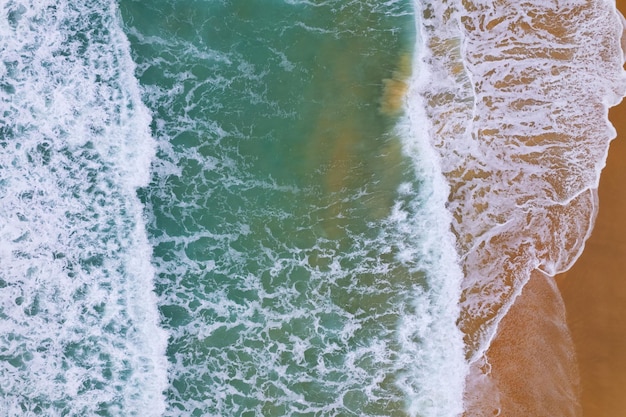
(538, 368)
(594, 290)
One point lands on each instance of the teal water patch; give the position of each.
(282, 206)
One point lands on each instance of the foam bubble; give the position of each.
(435, 385)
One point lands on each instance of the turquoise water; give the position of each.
(226, 213)
(276, 170)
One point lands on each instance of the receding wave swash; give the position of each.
(518, 99)
(305, 261)
(80, 329)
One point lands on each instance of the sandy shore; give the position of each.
(531, 364)
(540, 368)
(594, 290)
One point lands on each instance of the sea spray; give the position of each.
(80, 326)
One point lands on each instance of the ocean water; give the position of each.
(81, 332)
(285, 207)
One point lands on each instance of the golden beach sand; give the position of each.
(533, 363)
(594, 290)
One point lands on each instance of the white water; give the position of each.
(80, 331)
(436, 384)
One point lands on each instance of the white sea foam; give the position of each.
(80, 326)
(518, 102)
(430, 338)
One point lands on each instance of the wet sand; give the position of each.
(530, 368)
(536, 366)
(594, 290)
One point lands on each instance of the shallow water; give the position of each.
(518, 100)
